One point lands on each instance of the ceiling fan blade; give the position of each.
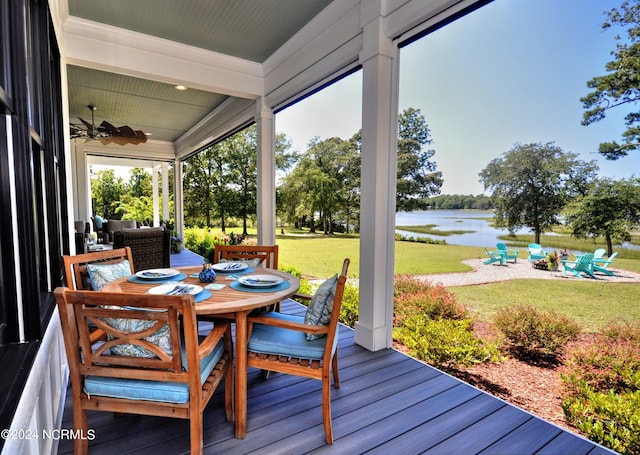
(87, 124)
(108, 128)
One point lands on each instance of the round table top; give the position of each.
(225, 300)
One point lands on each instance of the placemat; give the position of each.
(202, 295)
(278, 287)
(137, 279)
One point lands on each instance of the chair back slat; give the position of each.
(104, 309)
(75, 267)
(268, 254)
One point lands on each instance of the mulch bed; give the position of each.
(534, 388)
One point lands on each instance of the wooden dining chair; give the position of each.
(76, 275)
(261, 255)
(264, 255)
(303, 346)
(153, 363)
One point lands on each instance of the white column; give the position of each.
(379, 59)
(165, 190)
(266, 164)
(156, 199)
(178, 197)
(81, 181)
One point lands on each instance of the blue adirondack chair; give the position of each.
(508, 254)
(494, 256)
(602, 265)
(581, 265)
(536, 252)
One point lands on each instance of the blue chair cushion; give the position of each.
(138, 389)
(101, 274)
(321, 305)
(275, 340)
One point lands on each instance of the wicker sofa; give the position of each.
(150, 247)
(113, 226)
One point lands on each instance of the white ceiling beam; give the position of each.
(107, 48)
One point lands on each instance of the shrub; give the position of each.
(444, 343)
(534, 334)
(350, 305)
(413, 297)
(202, 242)
(610, 419)
(601, 393)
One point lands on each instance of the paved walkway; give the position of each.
(522, 269)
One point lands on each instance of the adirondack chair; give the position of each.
(494, 256)
(508, 254)
(602, 265)
(599, 253)
(536, 252)
(581, 265)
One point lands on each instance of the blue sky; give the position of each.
(512, 72)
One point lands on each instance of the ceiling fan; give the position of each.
(106, 132)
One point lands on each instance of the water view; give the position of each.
(477, 222)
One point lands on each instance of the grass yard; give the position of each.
(592, 305)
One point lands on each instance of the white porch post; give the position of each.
(80, 178)
(379, 59)
(178, 197)
(156, 204)
(266, 164)
(165, 190)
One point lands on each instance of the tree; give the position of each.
(417, 175)
(140, 182)
(531, 184)
(241, 150)
(611, 210)
(106, 193)
(621, 85)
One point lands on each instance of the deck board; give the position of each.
(387, 403)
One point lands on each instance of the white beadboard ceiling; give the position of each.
(249, 30)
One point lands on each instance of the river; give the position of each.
(478, 221)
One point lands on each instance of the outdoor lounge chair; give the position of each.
(494, 256)
(536, 252)
(602, 265)
(508, 254)
(581, 265)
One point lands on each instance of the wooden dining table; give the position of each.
(228, 302)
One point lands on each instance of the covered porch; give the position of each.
(387, 400)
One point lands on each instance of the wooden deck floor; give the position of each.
(388, 403)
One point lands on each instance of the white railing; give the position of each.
(35, 428)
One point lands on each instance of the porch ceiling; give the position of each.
(248, 32)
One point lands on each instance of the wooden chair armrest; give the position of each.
(291, 325)
(209, 343)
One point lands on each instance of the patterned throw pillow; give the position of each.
(161, 338)
(321, 305)
(101, 274)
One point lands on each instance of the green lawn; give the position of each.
(590, 304)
